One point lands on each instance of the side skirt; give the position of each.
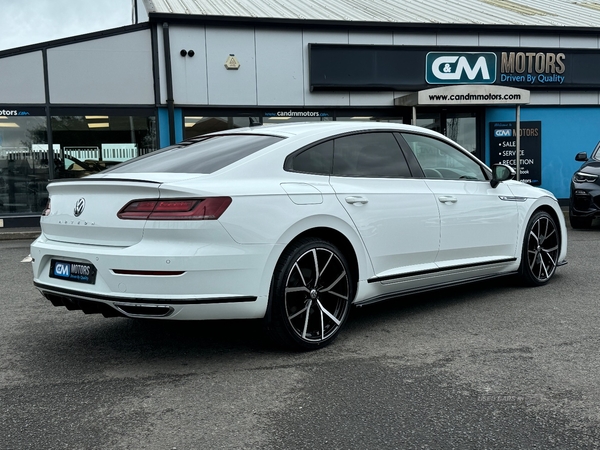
(392, 295)
(439, 270)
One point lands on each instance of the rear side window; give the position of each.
(316, 160)
(206, 156)
(369, 155)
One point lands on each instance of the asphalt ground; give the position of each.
(491, 365)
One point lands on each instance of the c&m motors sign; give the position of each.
(460, 68)
(410, 68)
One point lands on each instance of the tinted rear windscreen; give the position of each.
(205, 156)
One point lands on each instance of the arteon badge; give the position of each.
(79, 207)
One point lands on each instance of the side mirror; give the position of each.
(581, 156)
(501, 172)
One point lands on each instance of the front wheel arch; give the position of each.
(539, 260)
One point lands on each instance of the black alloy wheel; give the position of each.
(310, 295)
(541, 248)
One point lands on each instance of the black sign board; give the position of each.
(412, 68)
(503, 144)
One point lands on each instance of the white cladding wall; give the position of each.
(277, 50)
(22, 79)
(241, 86)
(190, 83)
(110, 70)
(274, 64)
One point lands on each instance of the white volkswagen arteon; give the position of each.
(292, 224)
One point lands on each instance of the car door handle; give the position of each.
(357, 199)
(447, 199)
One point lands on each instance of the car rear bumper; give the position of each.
(180, 281)
(238, 307)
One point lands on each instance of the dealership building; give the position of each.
(502, 78)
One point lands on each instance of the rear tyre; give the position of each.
(541, 248)
(579, 223)
(310, 297)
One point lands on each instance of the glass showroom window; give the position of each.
(197, 125)
(91, 143)
(367, 118)
(23, 164)
(299, 117)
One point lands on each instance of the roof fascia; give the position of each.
(397, 26)
(75, 39)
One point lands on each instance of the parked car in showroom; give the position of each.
(584, 199)
(292, 224)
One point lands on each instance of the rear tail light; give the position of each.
(175, 209)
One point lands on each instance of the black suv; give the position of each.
(584, 203)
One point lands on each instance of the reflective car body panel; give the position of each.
(477, 221)
(530, 199)
(397, 220)
(97, 222)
